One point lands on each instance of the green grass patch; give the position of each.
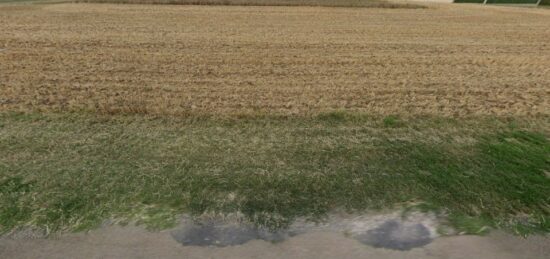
(72, 172)
(471, 225)
(392, 121)
(498, 1)
(512, 1)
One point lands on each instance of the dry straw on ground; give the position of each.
(326, 3)
(451, 60)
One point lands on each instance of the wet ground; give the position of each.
(367, 236)
(391, 230)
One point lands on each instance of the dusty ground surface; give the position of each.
(450, 60)
(340, 236)
(133, 242)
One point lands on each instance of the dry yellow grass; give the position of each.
(328, 3)
(195, 60)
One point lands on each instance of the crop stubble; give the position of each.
(227, 61)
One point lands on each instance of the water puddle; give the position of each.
(391, 231)
(221, 234)
(395, 235)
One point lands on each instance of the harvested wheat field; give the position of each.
(445, 60)
(264, 127)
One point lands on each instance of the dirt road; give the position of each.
(378, 235)
(133, 242)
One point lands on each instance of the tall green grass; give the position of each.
(512, 1)
(499, 1)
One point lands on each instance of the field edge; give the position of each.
(72, 172)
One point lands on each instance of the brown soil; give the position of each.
(449, 60)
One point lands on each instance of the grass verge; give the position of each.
(71, 172)
(498, 1)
